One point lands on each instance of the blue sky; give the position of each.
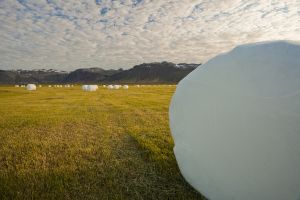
(69, 34)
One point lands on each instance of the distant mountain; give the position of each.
(164, 72)
(31, 76)
(89, 75)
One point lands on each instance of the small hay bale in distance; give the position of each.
(125, 87)
(92, 88)
(31, 87)
(84, 87)
(89, 88)
(116, 87)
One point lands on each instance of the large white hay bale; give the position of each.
(110, 87)
(236, 125)
(31, 87)
(125, 87)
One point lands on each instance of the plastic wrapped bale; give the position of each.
(125, 87)
(40, 86)
(16, 85)
(92, 88)
(116, 87)
(236, 126)
(84, 87)
(110, 87)
(49, 86)
(31, 87)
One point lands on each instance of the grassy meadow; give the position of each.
(63, 143)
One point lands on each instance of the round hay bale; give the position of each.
(89, 88)
(236, 126)
(92, 88)
(84, 87)
(31, 87)
(116, 87)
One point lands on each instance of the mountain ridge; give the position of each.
(147, 73)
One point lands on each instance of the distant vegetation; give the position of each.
(148, 73)
(63, 143)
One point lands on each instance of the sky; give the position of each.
(71, 34)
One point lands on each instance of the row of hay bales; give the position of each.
(116, 87)
(86, 87)
(91, 88)
(33, 85)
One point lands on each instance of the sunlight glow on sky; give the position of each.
(121, 33)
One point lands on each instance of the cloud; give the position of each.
(111, 34)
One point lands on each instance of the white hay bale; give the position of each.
(110, 87)
(16, 85)
(84, 87)
(31, 87)
(40, 86)
(125, 87)
(116, 87)
(89, 88)
(137, 85)
(92, 88)
(236, 126)
(104, 86)
(49, 86)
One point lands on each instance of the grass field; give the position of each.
(63, 143)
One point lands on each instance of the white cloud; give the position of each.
(111, 34)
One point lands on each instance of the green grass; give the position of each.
(63, 143)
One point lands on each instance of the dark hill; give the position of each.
(147, 73)
(164, 72)
(89, 75)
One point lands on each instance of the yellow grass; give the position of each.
(63, 143)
